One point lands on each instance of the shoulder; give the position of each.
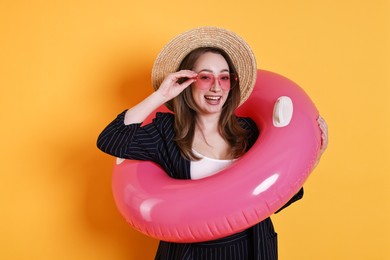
(164, 116)
(163, 123)
(163, 119)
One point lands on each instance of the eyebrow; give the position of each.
(207, 70)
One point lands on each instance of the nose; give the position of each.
(216, 86)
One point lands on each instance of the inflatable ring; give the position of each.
(250, 190)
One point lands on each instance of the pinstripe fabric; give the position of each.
(155, 142)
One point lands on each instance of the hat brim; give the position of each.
(170, 57)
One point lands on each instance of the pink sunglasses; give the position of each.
(206, 80)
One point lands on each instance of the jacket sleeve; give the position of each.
(133, 141)
(296, 197)
(250, 125)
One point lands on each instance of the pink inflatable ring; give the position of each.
(253, 188)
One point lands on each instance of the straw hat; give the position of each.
(170, 57)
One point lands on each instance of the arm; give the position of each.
(133, 141)
(125, 138)
(169, 89)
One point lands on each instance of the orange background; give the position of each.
(68, 67)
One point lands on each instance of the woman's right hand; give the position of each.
(170, 87)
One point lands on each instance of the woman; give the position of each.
(208, 80)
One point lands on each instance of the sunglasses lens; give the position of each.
(207, 80)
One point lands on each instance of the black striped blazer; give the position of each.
(155, 142)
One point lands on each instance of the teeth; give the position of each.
(212, 98)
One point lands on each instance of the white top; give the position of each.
(206, 166)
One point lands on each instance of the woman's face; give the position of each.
(212, 86)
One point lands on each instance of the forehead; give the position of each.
(212, 61)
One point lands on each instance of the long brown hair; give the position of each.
(185, 111)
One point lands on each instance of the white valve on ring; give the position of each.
(119, 160)
(283, 111)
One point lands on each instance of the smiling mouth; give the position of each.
(213, 98)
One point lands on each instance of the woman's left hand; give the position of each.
(324, 137)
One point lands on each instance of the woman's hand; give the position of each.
(170, 87)
(324, 134)
(324, 137)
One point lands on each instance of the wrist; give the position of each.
(159, 98)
